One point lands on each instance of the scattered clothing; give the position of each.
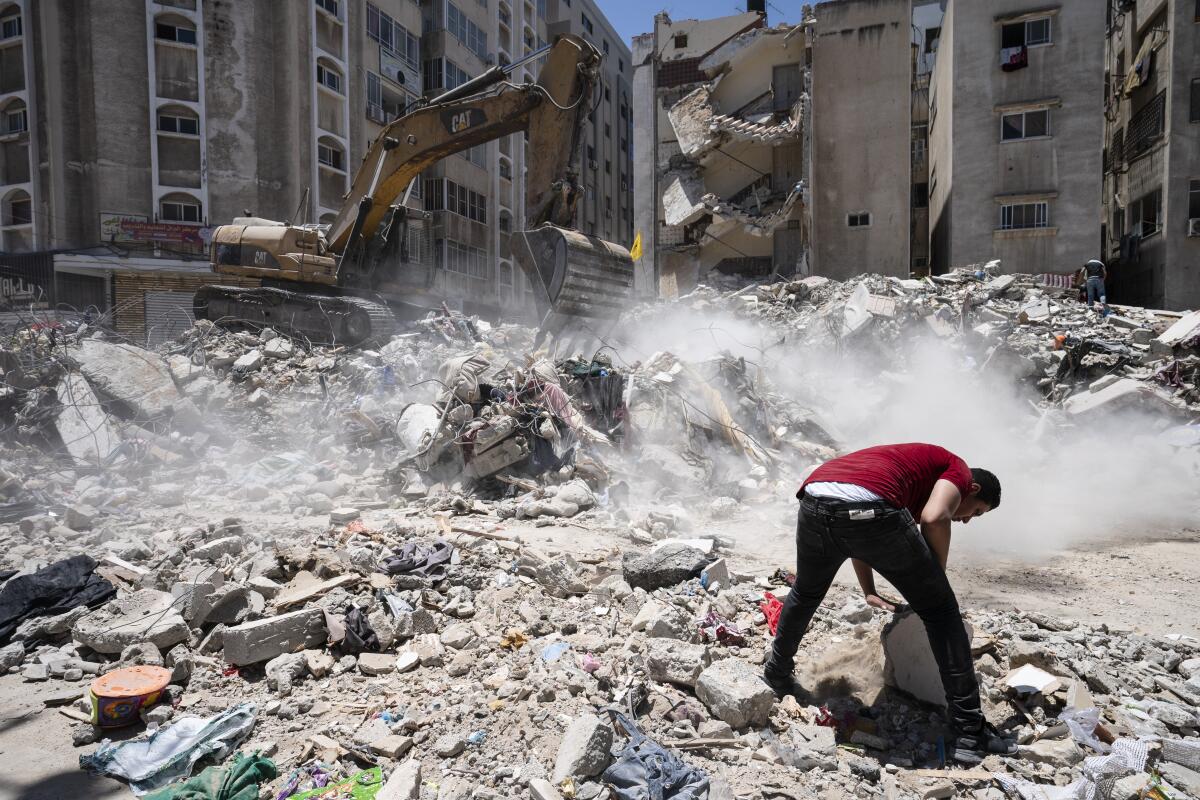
(425, 560)
(50, 591)
(771, 608)
(360, 636)
(363, 786)
(715, 628)
(239, 781)
(644, 770)
(1014, 58)
(172, 752)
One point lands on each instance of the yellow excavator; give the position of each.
(338, 283)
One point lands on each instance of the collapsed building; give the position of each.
(726, 107)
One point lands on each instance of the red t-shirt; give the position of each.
(902, 474)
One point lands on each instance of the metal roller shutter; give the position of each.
(168, 314)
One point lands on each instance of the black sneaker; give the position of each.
(782, 684)
(973, 748)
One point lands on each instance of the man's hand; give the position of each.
(875, 601)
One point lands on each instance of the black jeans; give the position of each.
(892, 544)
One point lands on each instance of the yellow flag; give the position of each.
(635, 252)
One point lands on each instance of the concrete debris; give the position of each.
(586, 503)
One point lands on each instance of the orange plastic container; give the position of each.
(118, 696)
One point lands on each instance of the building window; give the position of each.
(1194, 199)
(329, 6)
(1145, 214)
(920, 142)
(1030, 33)
(1025, 125)
(1194, 109)
(607, 167)
(435, 195)
(18, 210)
(607, 95)
(392, 35)
(505, 170)
(328, 78)
(680, 40)
(329, 156)
(605, 43)
(920, 195)
(172, 123)
(10, 24)
(466, 31)
(466, 260)
(587, 23)
(505, 223)
(15, 121)
(859, 220)
(1016, 216)
(621, 65)
(179, 211)
(174, 33)
(607, 131)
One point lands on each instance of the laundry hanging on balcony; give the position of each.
(1014, 58)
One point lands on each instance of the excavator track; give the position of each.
(322, 319)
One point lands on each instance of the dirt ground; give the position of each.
(1144, 583)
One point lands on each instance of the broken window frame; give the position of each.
(1025, 216)
(1149, 203)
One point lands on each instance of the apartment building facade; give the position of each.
(1015, 137)
(1152, 152)
(133, 128)
(862, 58)
(720, 125)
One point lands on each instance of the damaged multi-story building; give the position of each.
(720, 126)
(1151, 158)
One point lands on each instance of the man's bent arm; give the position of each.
(935, 518)
(866, 576)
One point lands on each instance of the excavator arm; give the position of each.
(573, 275)
(552, 110)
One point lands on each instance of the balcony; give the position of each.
(1146, 127)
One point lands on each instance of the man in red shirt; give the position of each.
(866, 506)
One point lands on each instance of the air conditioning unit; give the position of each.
(1194, 226)
(375, 113)
(398, 71)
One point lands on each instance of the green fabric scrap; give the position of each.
(239, 781)
(363, 786)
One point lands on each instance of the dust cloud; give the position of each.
(1065, 481)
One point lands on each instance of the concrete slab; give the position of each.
(83, 424)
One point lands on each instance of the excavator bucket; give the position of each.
(574, 275)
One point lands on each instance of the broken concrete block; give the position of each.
(376, 663)
(264, 639)
(457, 636)
(735, 692)
(683, 198)
(404, 783)
(715, 574)
(248, 362)
(910, 666)
(692, 118)
(815, 746)
(80, 518)
(667, 566)
(1188, 327)
(144, 616)
(392, 746)
(1057, 752)
(542, 789)
(429, 650)
(584, 751)
(343, 516)
(672, 661)
(278, 347)
(83, 423)
(211, 551)
(284, 671)
(134, 378)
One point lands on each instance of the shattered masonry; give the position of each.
(332, 552)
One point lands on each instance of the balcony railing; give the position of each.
(1146, 127)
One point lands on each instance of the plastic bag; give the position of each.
(1082, 723)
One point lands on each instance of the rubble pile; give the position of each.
(329, 553)
(489, 668)
(1078, 359)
